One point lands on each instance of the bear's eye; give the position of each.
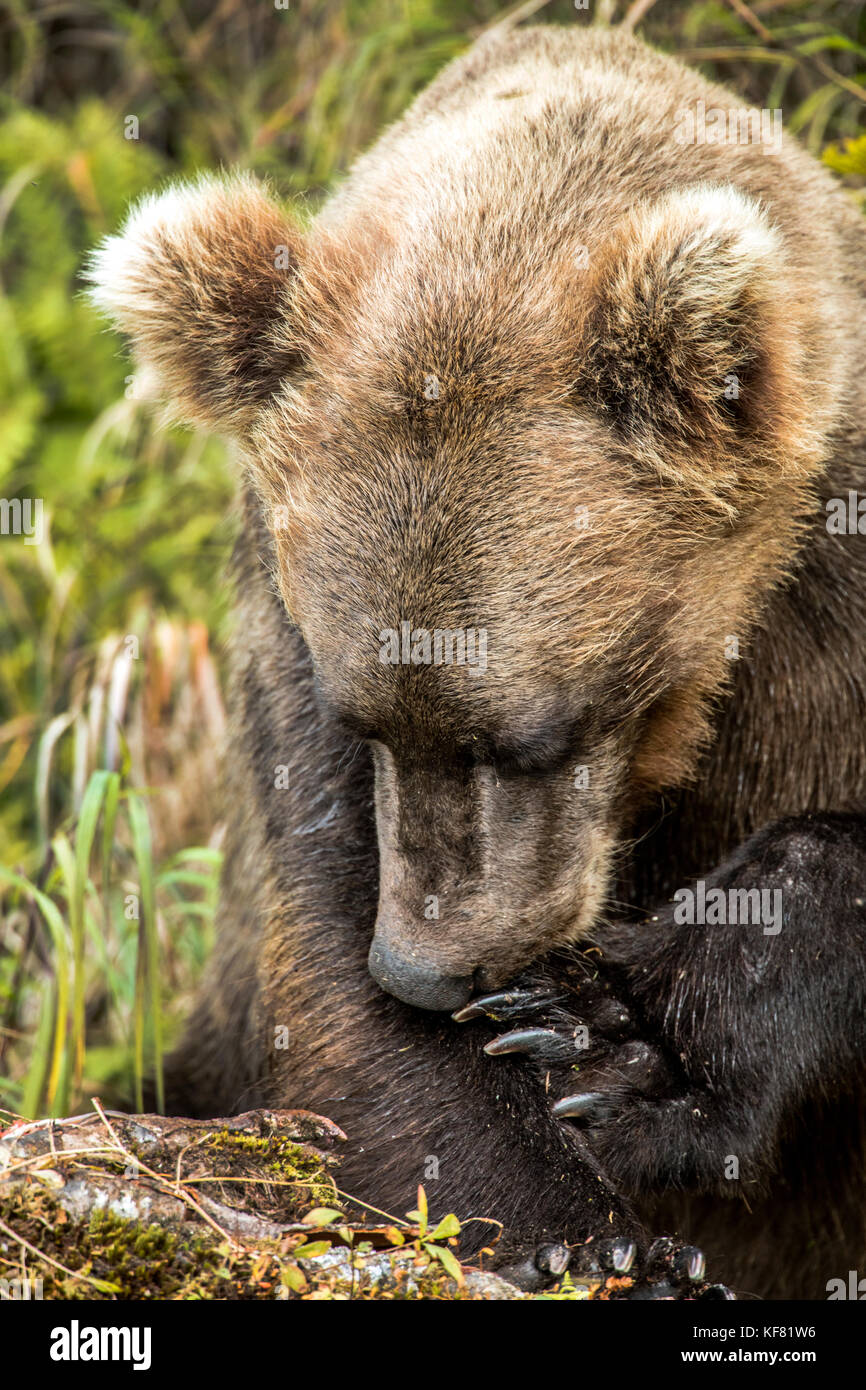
(541, 750)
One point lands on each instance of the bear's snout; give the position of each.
(417, 982)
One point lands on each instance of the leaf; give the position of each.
(311, 1249)
(56, 728)
(67, 864)
(448, 1226)
(294, 1278)
(50, 1177)
(448, 1262)
(260, 1267)
(103, 1285)
(421, 1214)
(112, 794)
(91, 805)
(321, 1216)
(185, 876)
(40, 1052)
(847, 158)
(77, 875)
(831, 41)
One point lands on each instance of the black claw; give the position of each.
(553, 1259)
(548, 1263)
(522, 1040)
(669, 1272)
(719, 1292)
(688, 1266)
(542, 1042)
(616, 1256)
(494, 1006)
(590, 1105)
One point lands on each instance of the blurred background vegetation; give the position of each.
(112, 629)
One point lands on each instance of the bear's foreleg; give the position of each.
(685, 1046)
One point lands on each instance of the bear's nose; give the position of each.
(417, 983)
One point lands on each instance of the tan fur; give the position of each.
(195, 280)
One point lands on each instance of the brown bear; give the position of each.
(546, 616)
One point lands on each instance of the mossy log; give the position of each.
(108, 1205)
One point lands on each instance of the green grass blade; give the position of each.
(59, 937)
(65, 859)
(112, 796)
(148, 937)
(34, 1081)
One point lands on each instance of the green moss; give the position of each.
(111, 1257)
(275, 1160)
(128, 1259)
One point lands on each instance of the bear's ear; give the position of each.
(690, 347)
(200, 279)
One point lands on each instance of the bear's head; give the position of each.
(524, 508)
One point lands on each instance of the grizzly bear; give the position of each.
(549, 674)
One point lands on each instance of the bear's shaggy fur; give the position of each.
(541, 370)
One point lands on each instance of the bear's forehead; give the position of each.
(448, 309)
(522, 528)
(433, 631)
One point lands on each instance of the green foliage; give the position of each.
(805, 58)
(849, 159)
(107, 912)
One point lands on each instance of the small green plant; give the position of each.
(427, 1241)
